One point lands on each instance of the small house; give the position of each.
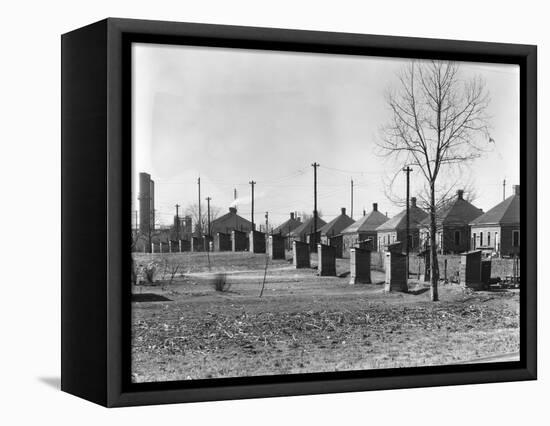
(289, 225)
(364, 229)
(301, 232)
(452, 225)
(229, 222)
(498, 230)
(335, 226)
(285, 228)
(395, 229)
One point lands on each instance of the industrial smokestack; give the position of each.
(146, 203)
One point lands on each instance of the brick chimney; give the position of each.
(343, 210)
(460, 194)
(375, 207)
(292, 215)
(516, 189)
(413, 201)
(233, 210)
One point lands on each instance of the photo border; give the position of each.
(115, 388)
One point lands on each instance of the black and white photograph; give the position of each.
(275, 213)
(298, 213)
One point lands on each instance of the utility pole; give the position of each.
(252, 183)
(266, 221)
(315, 165)
(177, 222)
(199, 226)
(408, 171)
(351, 210)
(504, 189)
(208, 204)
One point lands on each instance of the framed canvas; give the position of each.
(256, 212)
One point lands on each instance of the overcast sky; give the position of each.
(235, 115)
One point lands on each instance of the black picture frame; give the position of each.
(96, 183)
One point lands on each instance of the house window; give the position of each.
(474, 241)
(481, 239)
(457, 238)
(515, 238)
(489, 239)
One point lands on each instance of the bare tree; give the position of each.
(145, 235)
(192, 210)
(445, 191)
(150, 231)
(438, 120)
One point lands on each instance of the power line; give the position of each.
(208, 207)
(315, 165)
(357, 172)
(351, 210)
(199, 221)
(177, 222)
(252, 183)
(408, 171)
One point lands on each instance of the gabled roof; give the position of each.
(336, 225)
(504, 213)
(458, 212)
(367, 223)
(230, 220)
(307, 227)
(287, 226)
(231, 216)
(399, 221)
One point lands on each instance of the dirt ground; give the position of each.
(303, 323)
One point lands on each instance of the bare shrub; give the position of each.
(172, 271)
(149, 272)
(220, 283)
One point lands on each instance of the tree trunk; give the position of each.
(433, 249)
